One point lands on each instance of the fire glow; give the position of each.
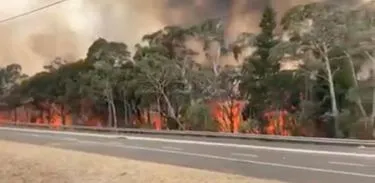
(227, 114)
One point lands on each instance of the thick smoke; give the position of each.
(66, 30)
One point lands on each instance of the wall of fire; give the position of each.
(227, 113)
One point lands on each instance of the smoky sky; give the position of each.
(68, 29)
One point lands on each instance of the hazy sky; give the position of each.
(68, 29)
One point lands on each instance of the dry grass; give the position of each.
(24, 163)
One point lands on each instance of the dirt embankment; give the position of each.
(24, 163)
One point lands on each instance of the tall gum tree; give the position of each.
(315, 35)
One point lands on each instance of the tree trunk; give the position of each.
(358, 100)
(335, 111)
(215, 63)
(125, 103)
(28, 120)
(306, 85)
(62, 113)
(49, 115)
(125, 112)
(159, 109)
(372, 120)
(114, 113)
(372, 123)
(171, 111)
(15, 115)
(108, 94)
(148, 114)
(109, 122)
(41, 115)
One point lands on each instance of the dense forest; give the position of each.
(309, 74)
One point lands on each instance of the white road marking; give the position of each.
(206, 143)
(346, 164)
(70, 139)
(51, 137)
(40, 136)
(291, 150)
(245, 155)
(59, 132)
(172, 148)
(243, 160)
(89, 142)
(116, 143)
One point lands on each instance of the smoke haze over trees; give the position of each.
(291, 68)
(68, 29)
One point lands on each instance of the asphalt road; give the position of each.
(295, 163)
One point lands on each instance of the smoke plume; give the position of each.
(66, 30)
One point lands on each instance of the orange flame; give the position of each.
(277, 123)
(226, 113)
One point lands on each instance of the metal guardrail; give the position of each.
(276, 138)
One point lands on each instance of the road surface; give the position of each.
(295, 163)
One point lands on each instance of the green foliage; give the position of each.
(10, 76)
(198, 117)
(250, 126)
(262, 82)
(111, 52)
